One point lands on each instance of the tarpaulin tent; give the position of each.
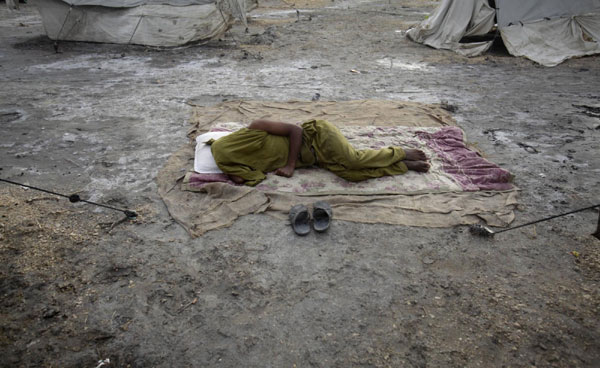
(545, 31)
(142, 22)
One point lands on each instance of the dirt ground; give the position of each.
(77, 286)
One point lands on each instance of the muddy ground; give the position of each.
(77, 286)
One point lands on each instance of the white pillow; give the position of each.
(204, 163)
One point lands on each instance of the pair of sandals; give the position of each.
(300, 217)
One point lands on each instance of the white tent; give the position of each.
(143, 22)
(545, 31)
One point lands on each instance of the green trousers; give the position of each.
(334, 153)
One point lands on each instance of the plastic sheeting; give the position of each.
(549, 39)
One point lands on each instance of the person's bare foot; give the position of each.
(415, 155)
(419, 166)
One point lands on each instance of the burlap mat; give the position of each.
(219, 204)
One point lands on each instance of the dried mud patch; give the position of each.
(43, 246)
(38, 232)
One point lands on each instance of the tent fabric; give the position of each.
(550, 42)
(452, 21)
(590, 24)
(510, 11)
(134, 3)
(152, 25)
(547, 32)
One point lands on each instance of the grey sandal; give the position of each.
(300, 219)
(322, 214)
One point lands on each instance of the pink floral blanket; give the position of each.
(454, 166)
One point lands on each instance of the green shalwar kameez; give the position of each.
(250, 153)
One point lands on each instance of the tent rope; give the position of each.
(136, 28)
(73, 198)
(61, 29)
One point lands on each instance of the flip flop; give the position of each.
(300, 219)
(322, 214)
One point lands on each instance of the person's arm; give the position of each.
(293, 132)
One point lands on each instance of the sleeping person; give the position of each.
(264, 146)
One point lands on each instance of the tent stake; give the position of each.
(481, 230)
(597, 233)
